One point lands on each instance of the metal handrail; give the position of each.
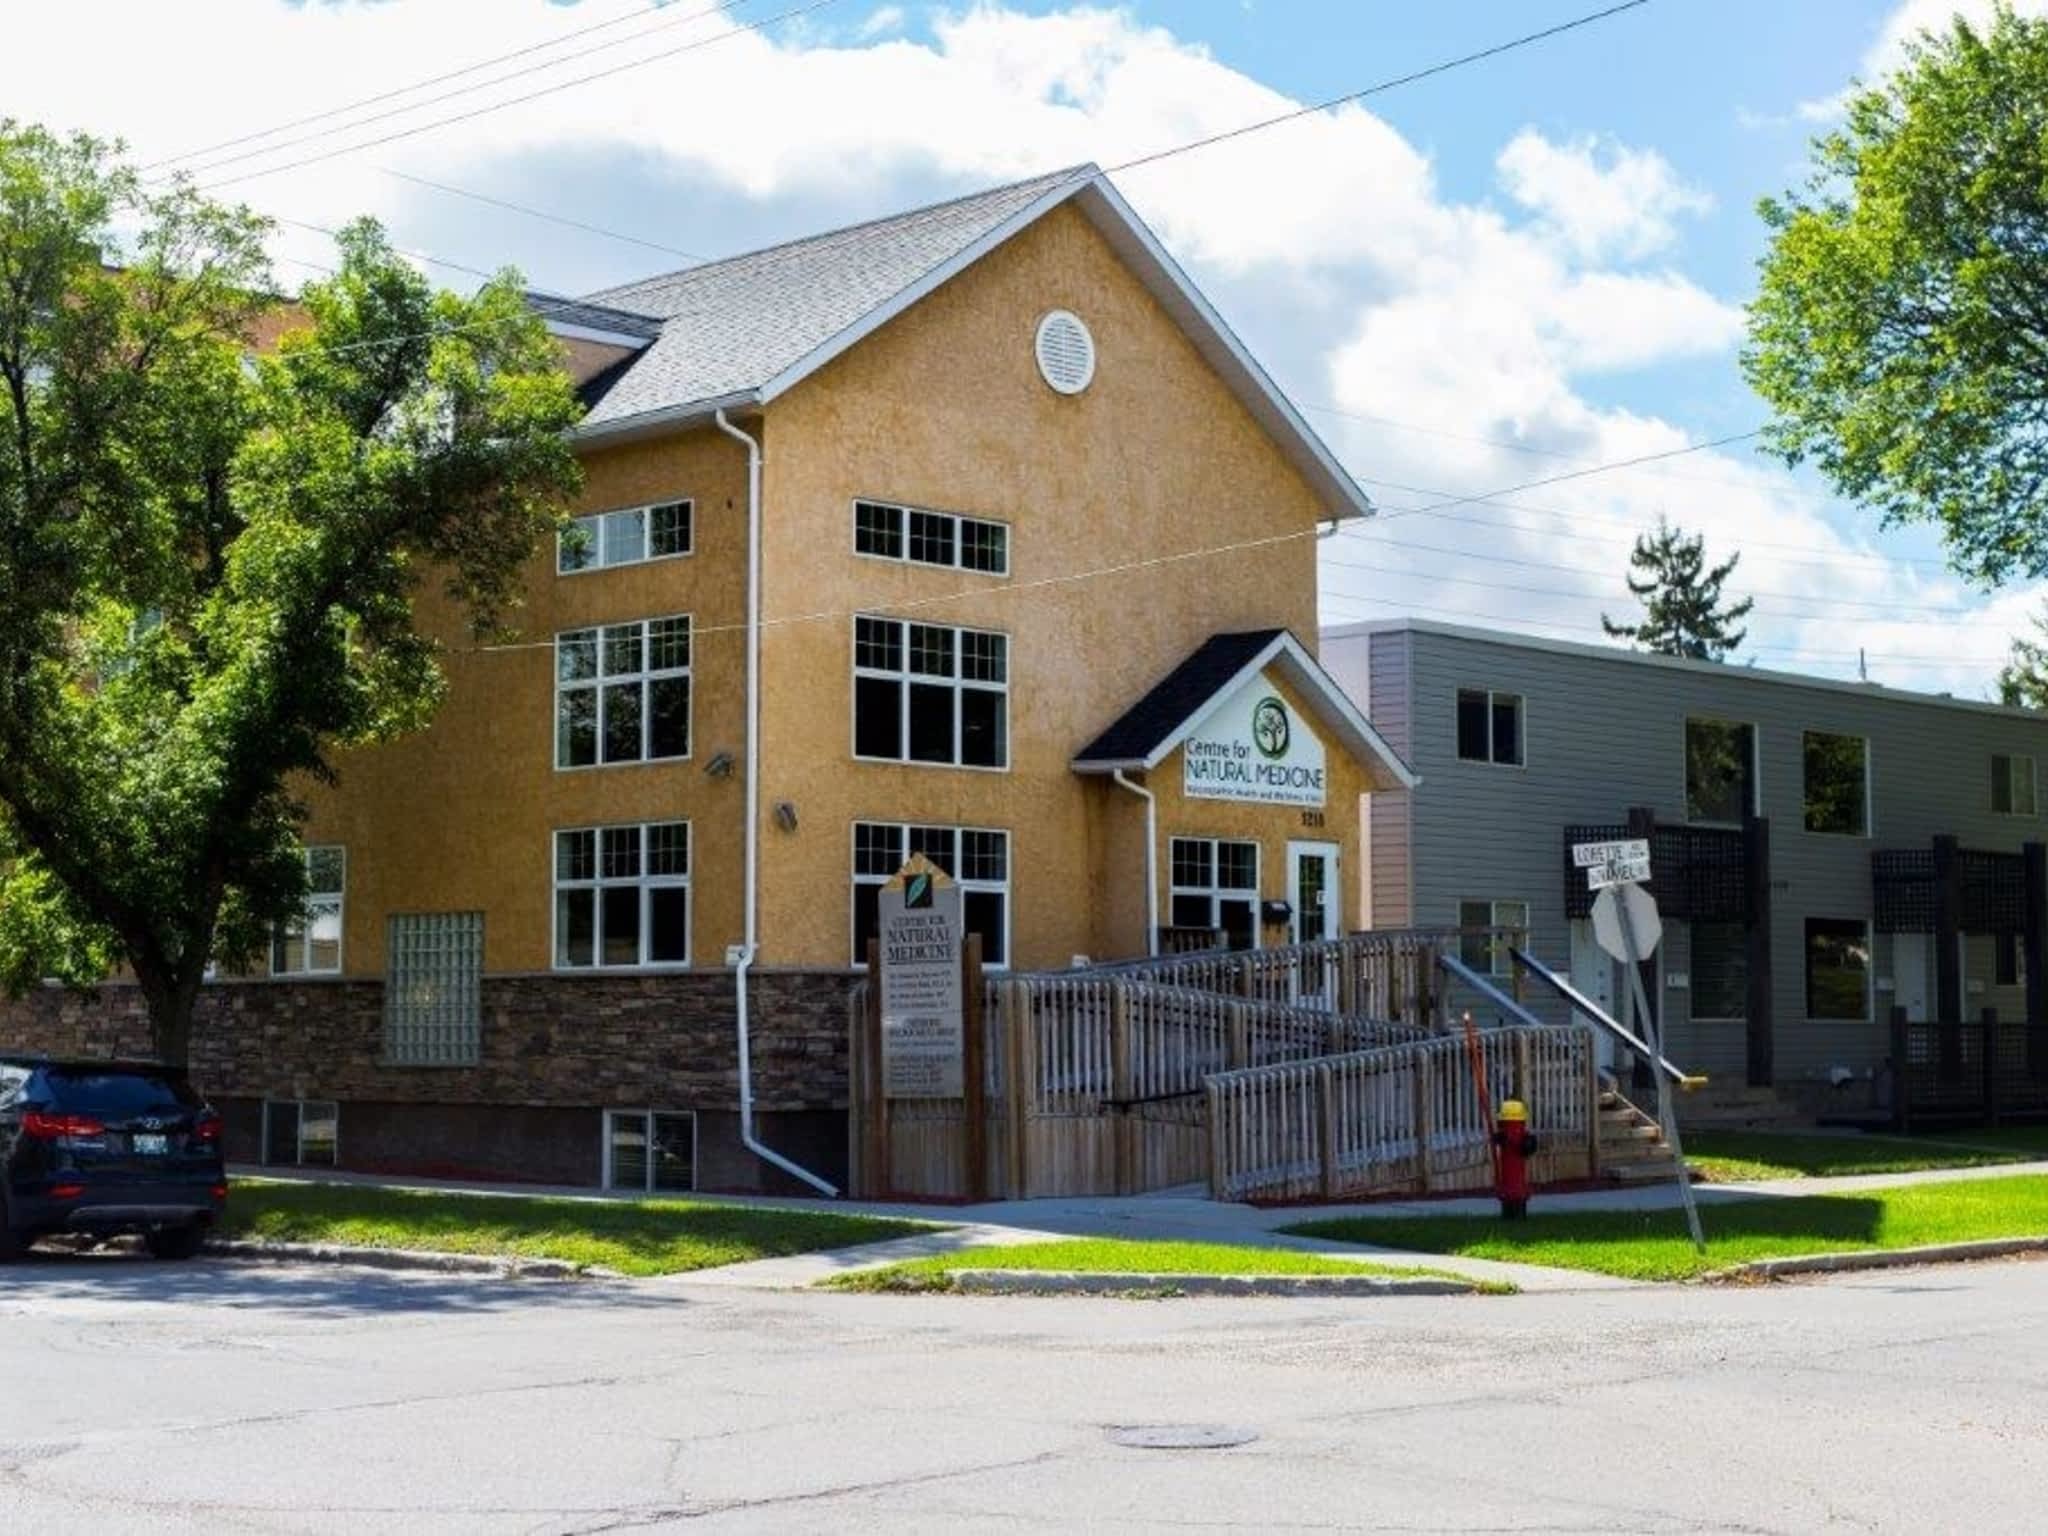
(1601, 1017)
(1453, 966)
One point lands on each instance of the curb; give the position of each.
(1891, 1258)
(1026, 1282)
(402, 1259)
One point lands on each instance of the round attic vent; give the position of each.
(1066, 352)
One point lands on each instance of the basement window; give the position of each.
(301, 1133)
(650, 1151)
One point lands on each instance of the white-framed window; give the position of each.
(978, 859)
(310, 945)
(1481, 942)
(2012, 784)
(622, 896)
(650, 1151)
(930, 693)
(630, 536)
(1213, 882)
(433, 988)
(301, 1133)
(887, 531)
(1837, 783)
(622, 693)
(1490, 727)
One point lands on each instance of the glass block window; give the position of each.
(622, 896)
(622, 693)
(1214, 883)
(310, 945)
(433, 1007)
(650, 1151)
(629, 536)
(977, 857)
(301, 1133)
(890, 532)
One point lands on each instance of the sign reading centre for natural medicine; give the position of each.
(924, 1041)
(1254, 746)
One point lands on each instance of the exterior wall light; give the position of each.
(720, 766)
(785, 815)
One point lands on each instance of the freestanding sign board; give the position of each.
(924, 1038)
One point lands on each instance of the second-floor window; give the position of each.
(1720, 762)
(890, 532)
(2012, 784)
(622, 693)
(1837, 783)
(930, 693)
(1489, 727)
(626, 537)
(310, 945)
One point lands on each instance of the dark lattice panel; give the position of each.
(1994, 891)
(1946, 1073)
(1697, 874)
(1902, 890)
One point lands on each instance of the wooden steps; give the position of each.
(1632, 1146)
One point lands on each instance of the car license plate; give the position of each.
(154, 1146)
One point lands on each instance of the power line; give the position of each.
(513, 101)
(542, 213)
(665, 22)
(638, 9)
(1578, 474)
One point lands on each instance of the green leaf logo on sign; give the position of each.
(917, 892)
(1271, 730)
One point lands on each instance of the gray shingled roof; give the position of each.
(559, 309)
(735, 325)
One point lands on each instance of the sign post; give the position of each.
(1626, 924)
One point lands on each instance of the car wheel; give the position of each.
(175, 1242)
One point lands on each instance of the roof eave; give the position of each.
(667, 418)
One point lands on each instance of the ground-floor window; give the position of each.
(1720, 971)
(977, 857)
(2009, 961)
(1481, 944)
(301, 1133)
(1837, 968)
(622, 896)
(433, 1001)
(650, 1151)
(1214, 883)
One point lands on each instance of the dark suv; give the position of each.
(103, 1147)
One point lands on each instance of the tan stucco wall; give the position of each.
(942, 408)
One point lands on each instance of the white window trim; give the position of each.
(1006, 887)
(908, 678)
(1756, 767)
(1498, 961)
(1869, 785)
(599, 884)
(299, 1148)
(646, 557)
(955, 518)
(1218, 893)
(340, 919)
(646, 676)
(2033, 786)
(1869, 968)
(1521, 712)
(605, 1149)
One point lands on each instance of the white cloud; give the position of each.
(885, 20)
(1601, 199)
(1328, 241)
(1906, 22)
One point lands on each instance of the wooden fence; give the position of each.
(1402, 1118)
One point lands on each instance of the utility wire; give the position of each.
(542, 213)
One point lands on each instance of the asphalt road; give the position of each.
(224, 1397)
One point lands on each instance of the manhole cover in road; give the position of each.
(1180, 1437)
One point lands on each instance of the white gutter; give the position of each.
(752, 839)
(1151, 859)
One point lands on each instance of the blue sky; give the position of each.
(1516, 269)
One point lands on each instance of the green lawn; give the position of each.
(1112, 1255)
(2023, 1141)
(1653, 1245)
(641, 1237)
(1728, 1157)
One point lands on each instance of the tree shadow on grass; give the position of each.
(1786, 1225)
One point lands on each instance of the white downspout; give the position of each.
(1151, 859)
(752, 838)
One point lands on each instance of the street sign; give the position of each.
(924, 1036)
(1613, 863)
(1617, 872)
(1643, 926)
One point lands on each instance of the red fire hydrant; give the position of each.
(1514, 1147)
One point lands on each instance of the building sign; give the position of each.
(1255, 746)
(924, 1041)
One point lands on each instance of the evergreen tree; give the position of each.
(1681, 597)
(2023, 680)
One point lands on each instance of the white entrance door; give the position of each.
(1593, 973)
(1317, 899)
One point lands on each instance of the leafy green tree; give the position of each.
(2023, 680)
(1681, 597)
(1900, 327)
(209, 560)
